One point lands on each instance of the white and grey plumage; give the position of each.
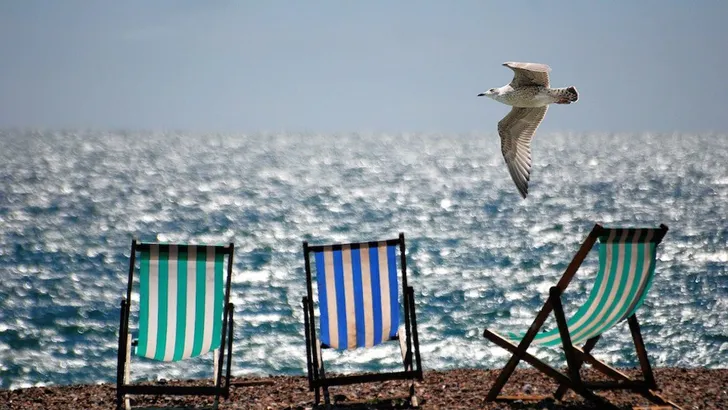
(530, 95)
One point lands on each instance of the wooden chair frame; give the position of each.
(223, 355)
(575, 356)
(317, 378)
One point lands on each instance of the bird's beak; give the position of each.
(481, 95)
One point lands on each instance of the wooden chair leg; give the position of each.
(229, 349)
(309, 343)
(215, 361)
(639, 345)
(415, 336)
(555, 298)
(588, 346)
(406, 355)
(572, 359)
(322, 374)
(127, 371)
(414, 402)
(327, 396)
(121, 362)
(519, 353)
(505, 373)
(319, 373)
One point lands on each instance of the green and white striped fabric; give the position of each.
(181, 301)
(626, 269)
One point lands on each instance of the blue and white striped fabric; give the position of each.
(358, 294)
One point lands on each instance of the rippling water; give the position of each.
(478, 255)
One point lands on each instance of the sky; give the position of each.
(346, 66)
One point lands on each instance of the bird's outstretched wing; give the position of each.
(529, 74)
(516, 131)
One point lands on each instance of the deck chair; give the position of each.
(184, 312)
(359, 304)
(626, 270)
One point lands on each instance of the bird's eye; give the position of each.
(491, 90)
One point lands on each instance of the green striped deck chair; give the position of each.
(184, 312)
(627, 258)
(359, 300)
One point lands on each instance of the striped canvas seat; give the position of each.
(358, 294)
(361, 288)
(181, 301)
(184, 312)
(627, 258)
(626, 267)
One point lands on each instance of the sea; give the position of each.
(478, 255)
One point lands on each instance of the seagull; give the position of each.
(529, 95)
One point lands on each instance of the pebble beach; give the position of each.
(451, 389)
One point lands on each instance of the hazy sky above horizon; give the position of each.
(322, 66)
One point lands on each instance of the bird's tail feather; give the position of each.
(569, 94)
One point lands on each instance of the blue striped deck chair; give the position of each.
(184, 312)
(359, 306)
(627, 258)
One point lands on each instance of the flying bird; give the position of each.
(530, 95)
